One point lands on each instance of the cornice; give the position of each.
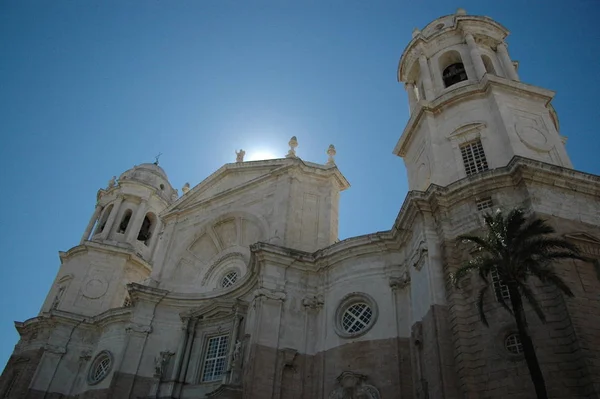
(126, 253)
(517, 171)
(54, 317)
(488, 82)
(272, 168)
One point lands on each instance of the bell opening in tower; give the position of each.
(454, 74)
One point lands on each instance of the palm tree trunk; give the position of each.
(528, 349)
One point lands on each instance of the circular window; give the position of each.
(100, 367)
(355, 315)
(229, 279)
(513, 344)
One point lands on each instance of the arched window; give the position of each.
(147, 226)
(489, 65)
(452, 67)
(125, 221)
(454, 74)
(103, 219)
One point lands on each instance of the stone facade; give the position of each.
(240, 287)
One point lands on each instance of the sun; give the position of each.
(260, 154)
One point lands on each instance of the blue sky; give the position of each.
(90, 88)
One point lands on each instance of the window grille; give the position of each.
(500, 288)
(229, 279)
(216, 358)
(484, 204)
(473, 157)
(357, 317)
(100, 368)
(513, 344)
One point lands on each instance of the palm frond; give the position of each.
(481, 243)
(534, 227)
(545, 244)
(480, 298)
(547, 275)
(514, 221)
(533, 302)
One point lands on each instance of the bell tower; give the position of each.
(117, 246)
(469, 111)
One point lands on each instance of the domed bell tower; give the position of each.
(469, 112)
(117, 246)
(126, 213)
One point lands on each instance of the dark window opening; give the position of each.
(125, 221)
(103, 220)
(145, 230)
(454, 74)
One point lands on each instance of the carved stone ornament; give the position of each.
(419, 256)
(400, 282)
(270, 294)
(138, 328)
(313, 301)
(352, 386)
(160, 363)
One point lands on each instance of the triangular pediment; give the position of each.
(216, 309)
(228, 178)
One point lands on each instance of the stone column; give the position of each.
(111, 218)
(426, 76)
(412, 98)
(507, 64)
(136, 222)
(475, 56)
(90, 226)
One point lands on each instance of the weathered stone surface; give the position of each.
(240, 288)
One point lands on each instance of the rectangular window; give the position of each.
(215, 359)
(500, 288)
(473, 157)
(485, 203)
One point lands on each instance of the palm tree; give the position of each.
(516, 249)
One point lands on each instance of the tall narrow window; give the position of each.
(473, 157)
(125, 221)
(500, 289)
(146, 230)
(103, 219)
(488, 64)
(215, 359)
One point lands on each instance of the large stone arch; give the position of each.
(221, 238)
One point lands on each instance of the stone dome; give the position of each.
(152, 175)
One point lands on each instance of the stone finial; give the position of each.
(293, 143)
(239, 156)
(461, 11)
(185, 188)
(416, 32)
(331, 153)
(111, 182)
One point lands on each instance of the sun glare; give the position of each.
(259, 155)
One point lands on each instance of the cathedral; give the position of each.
(240, 288)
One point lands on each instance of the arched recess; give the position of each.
(103, 219)
(147, 228)
(452, 68)
(489, 65)
(124, 223)
(217, 244)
